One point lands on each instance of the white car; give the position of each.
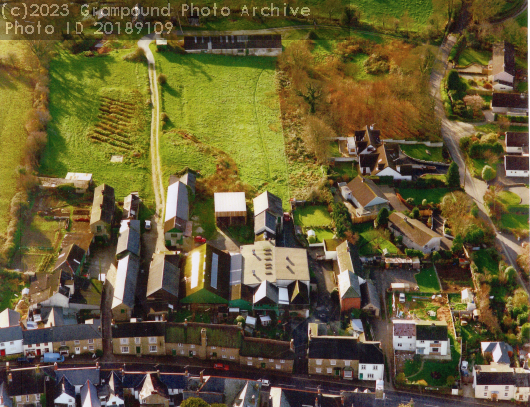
(265, 382)
(147, 225)
(402, 297)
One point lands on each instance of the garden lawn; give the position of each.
(311, 216)
(469, 55)
(345, 168)
(509, 198)
(78, 88)
(373, 242)
(15, 102)
(419, 151)
(323, 234)
(427, 281)
(204, 210)
(455, 302)
(512, 221)
(485, 263)
(222, 103)
(334, 149)
(433, 195)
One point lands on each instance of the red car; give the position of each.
(200, 239)
(286, 217)
(220, 366)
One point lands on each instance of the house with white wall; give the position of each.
(11, 341)
(516, 165)
(371, 361)
(37, 342)
(404, 335)
(415, 234)
(494, 382)
(432, 338)
(64, 394)
(502, 66)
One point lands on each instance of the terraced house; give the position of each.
(102, 214)
(267, 354)
(176, 223)
(25, 387)
(139, 338)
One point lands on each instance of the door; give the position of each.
(494, 396)
(77, 350)
(138, 349)
(38, 352)
(2, 352)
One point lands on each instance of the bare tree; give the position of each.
(317, 136)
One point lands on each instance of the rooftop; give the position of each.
(229, 202)
(414, 229)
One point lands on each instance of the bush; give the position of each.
(162, 79)
(414, 253)
(487, 86)
(377, 64)
(488, 173)
(415, 214)
(401, 378)
(138, 55)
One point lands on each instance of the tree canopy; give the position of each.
(453, 176)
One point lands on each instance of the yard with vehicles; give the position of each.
(98, 108)
(220, 111)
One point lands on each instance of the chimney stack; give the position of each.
(186, 322)
(55, 367)
(202, 377)
(10, 378)
(7, 368)
(97, 365)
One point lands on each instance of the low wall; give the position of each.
(342, 159)
(427, 143)
(424, 161)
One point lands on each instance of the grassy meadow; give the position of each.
(98, 109)
(15, 101)
(223, 104)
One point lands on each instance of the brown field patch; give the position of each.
(454, 278)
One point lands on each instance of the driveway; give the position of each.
(390, 194)
(101, 258)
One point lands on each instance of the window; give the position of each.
(363, 367)
(271, 360)
(346, 363)
(485, 394)
(180, 345)
(410, 337)
(318, 370)
(329, 370)
(2, 344)
(319, 362)
(232, 357)
(282, 361)
(152, 348)
(152, 339)
(279, 367)
(214, 347)
(399, 345)
(370, 375)
(137, 341)
(333, 362)
(11, 343)
(436, 341)
(76, 342)
(192, 346)
(435, 350)
(27, 397)
(260, 358)
(182, 352)
(223, 356)
(122, 311)
(506, 388)
(422, 341)
(374, 367)
(124, 349)
(63, 343)
(90, 347)
(249, 363)
(505, 394)
(485, 387)
(124, 341)
(90, 341)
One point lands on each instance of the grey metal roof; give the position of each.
(163, 275)
(12, 333)
(265, 221)
(229, 202)
(79, 376)
(129, 239)
(268, 202)
(369, 295)
(126, 279)
(103, 205)
(177, 204)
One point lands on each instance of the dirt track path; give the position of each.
(156, 168)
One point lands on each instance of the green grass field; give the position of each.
(223, 103)
(427, 281)
(79, 88)
(470, 55)
(485, 263)
(372, 242)
(522, 19)
(312, 216)
(509, 198)
(434, 195)
(419, 151)
(512, 221)
(15, 102)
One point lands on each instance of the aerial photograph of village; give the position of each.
(251, 203)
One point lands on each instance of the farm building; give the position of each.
(102, 214)
(80, 181)
(230, 208)
(129, 238)
(131, 206)
(176, 224)
(516, 165)
(415, 234)
(259, 45)
(205, 277)
(366, 196)
(502, 66)
(164, 277)
(516, 143)
(70, 260)
(124, 286)
(515, 104)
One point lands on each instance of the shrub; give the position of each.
(410, 201)
(162, 79)
(401, 378)
(377, 64)
(452, 178)
(488, 173)
(382, 218)
(414, 253)
(450, 381)
(138, 55)
(415, 214)
(488, 86)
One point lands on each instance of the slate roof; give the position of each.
(75, 332)
(333, 347)
(131, 206)
(414, 229)
(163, 275)
(268, 202)
(500, 351)
(404, 329)
(47, 285)
(348, 257)
(516, 163)
(103, 205)
(64, 386)
(232, 42)
(174, 381)
(8, 318)
(298, 293)
(129, 238)
(177, 207)
(266, 294)
(212, 278)
(12, 333)
(265, 221)
(26, 381)
(369, 295)
(190, 179)
(349, 285)
(34, 336)
(494, 375)
(371, 353)
(5, 395)
(79, 376)
(503, 58)
(510, 100)
(431, 331)
(266, 348)
(126, 279)
(364, 190)
(138, 329)
(89, 395)
(522, 377)
(516, 139)
(55, 317)
(132, 380)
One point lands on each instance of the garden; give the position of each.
(423, 152)
(316, 218)
(483, 152)
(427, 280)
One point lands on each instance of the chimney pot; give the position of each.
(55, 367)
(10, 377)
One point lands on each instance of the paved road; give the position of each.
(452, 132)
(156, 169)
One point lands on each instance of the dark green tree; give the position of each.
(415, 214)
(311, 95)
(458, 244)
(351, 16)
(382, 218)
(436, 256)
(452, 177)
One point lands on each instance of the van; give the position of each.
(52, 358)
(402, 297)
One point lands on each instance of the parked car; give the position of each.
(402, 297)
(265, 382)
(286, 216)
(52, 358)
(220, 366)
(147, 225)
(200, 239)
(23, 360)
